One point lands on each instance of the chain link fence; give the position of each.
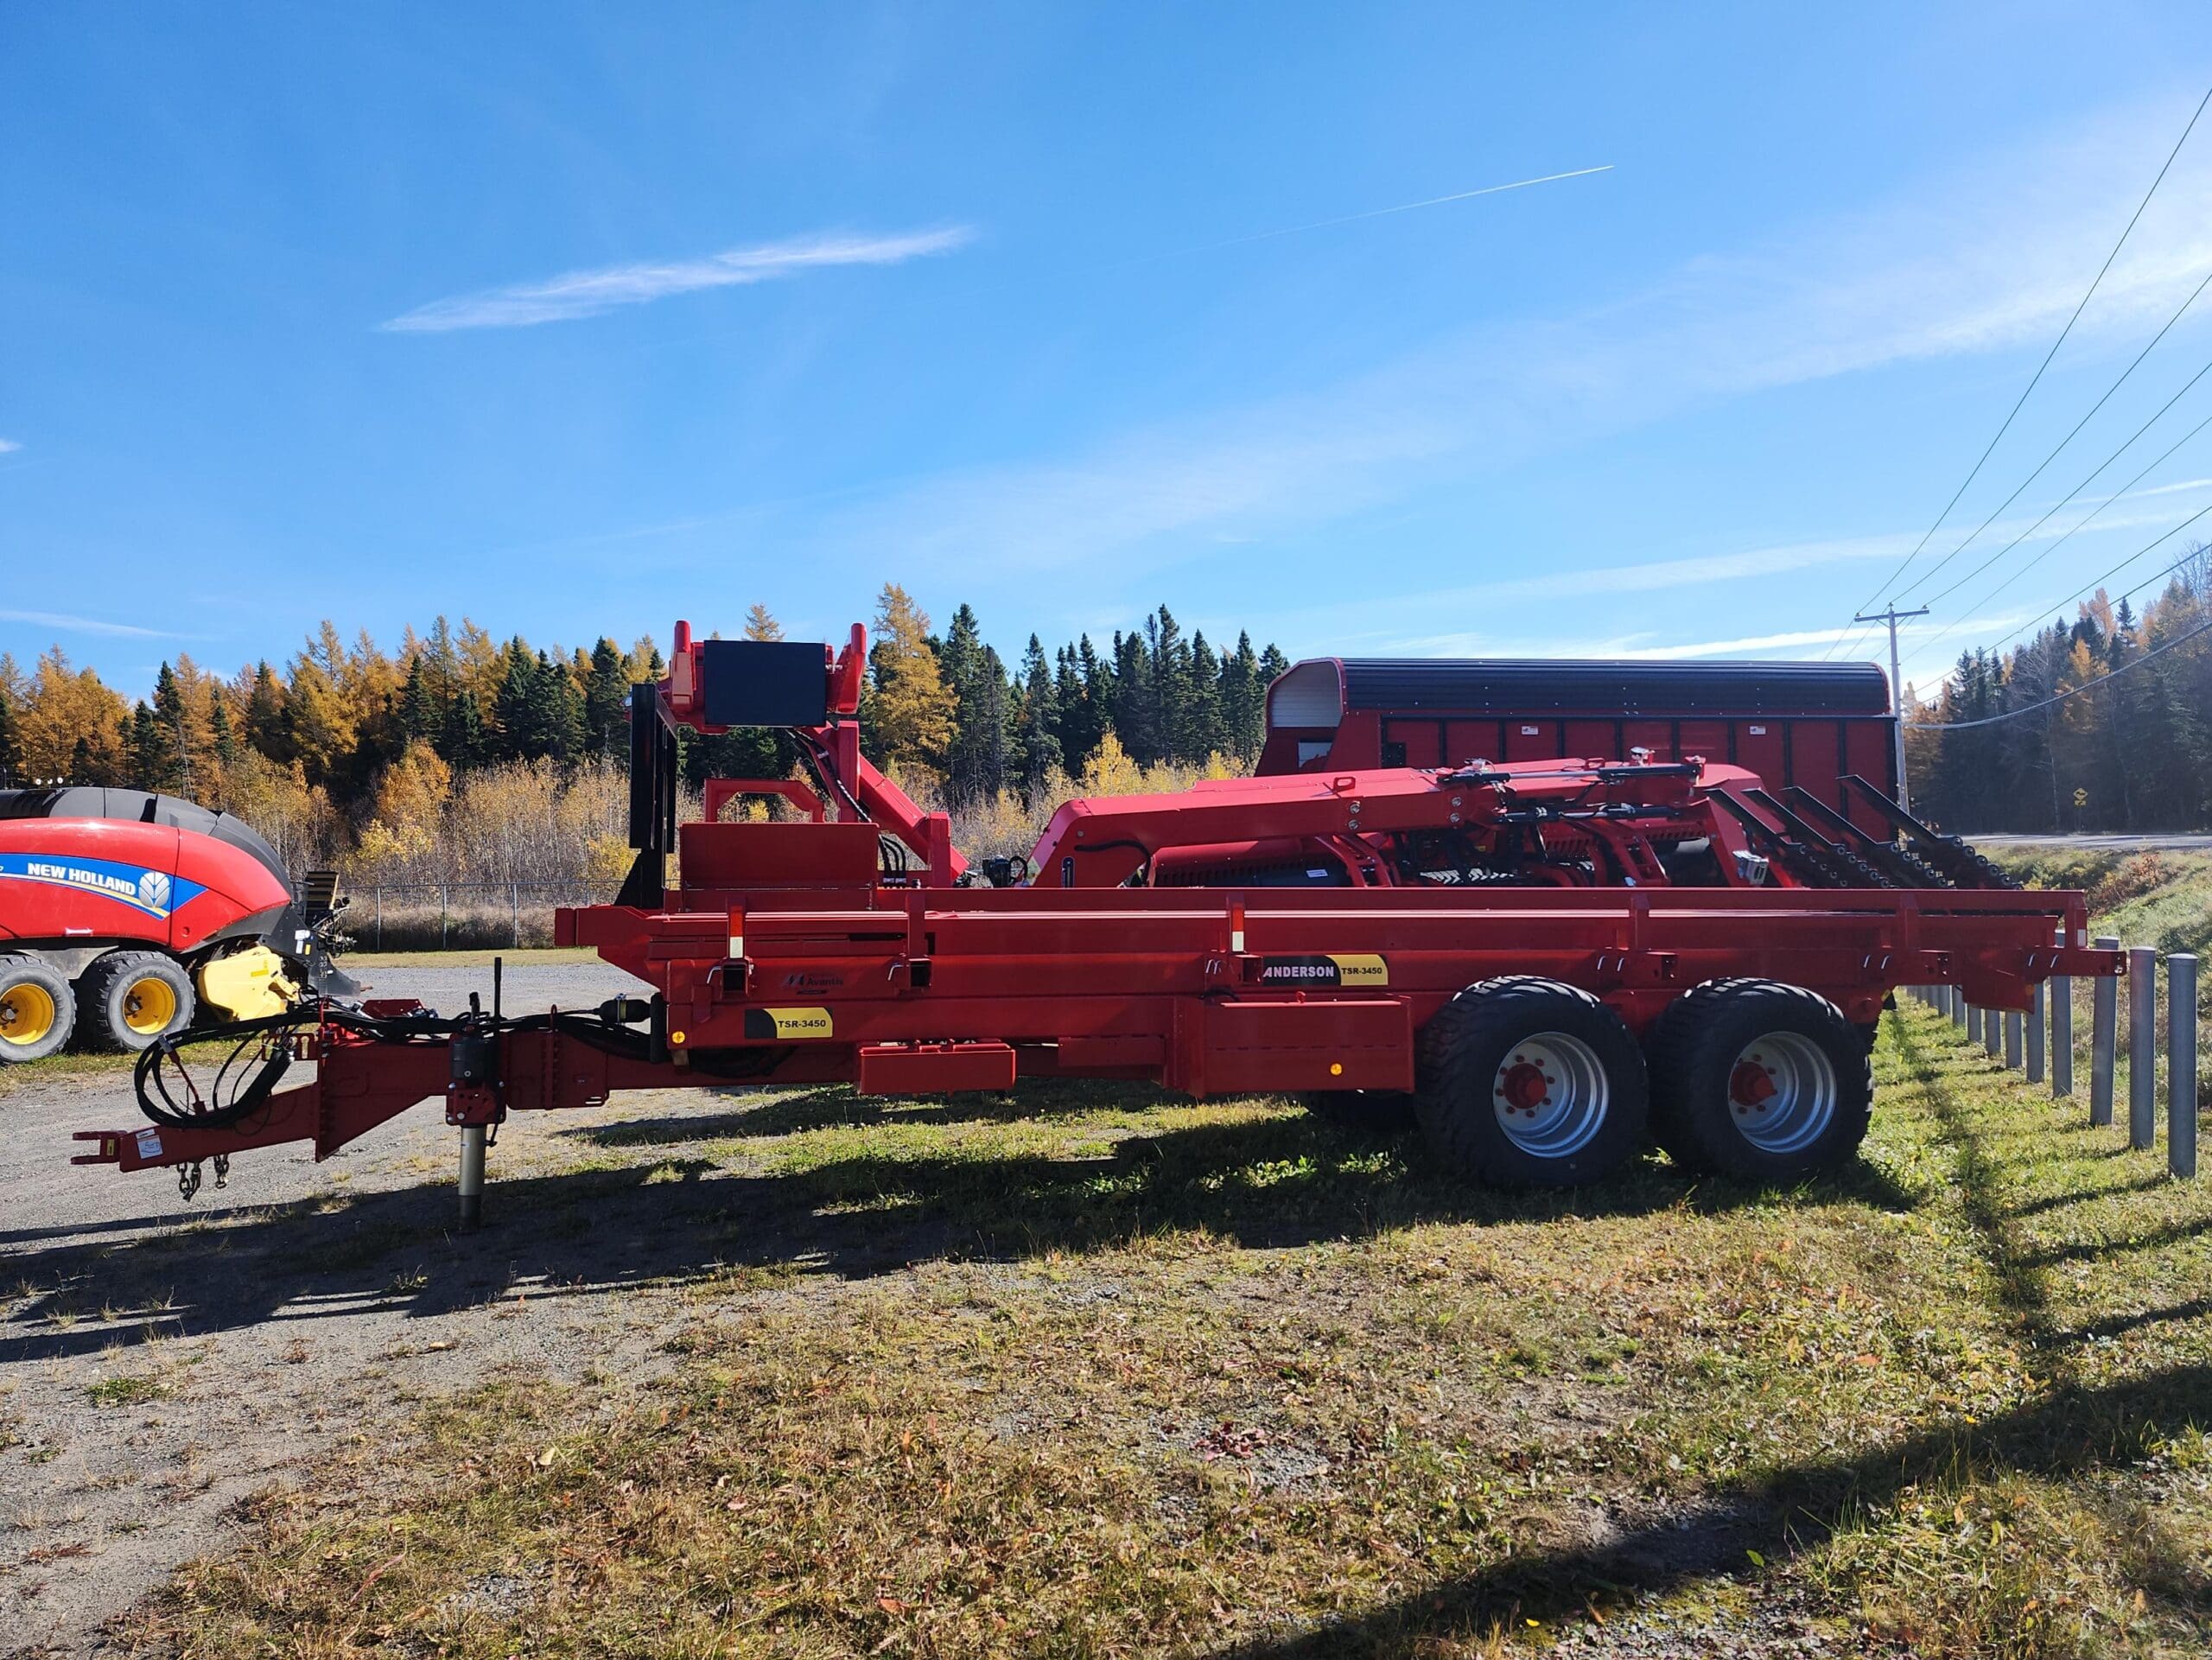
(456, 916)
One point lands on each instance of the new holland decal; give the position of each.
(1339, 968)
(156, 892)
(787, 1023)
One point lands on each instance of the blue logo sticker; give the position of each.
(155, 891)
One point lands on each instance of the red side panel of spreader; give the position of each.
(64, 878)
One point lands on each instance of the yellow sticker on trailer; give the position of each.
(1331, 969)
(789, 1023)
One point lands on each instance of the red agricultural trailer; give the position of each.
(1811, 725)
(1543, 961)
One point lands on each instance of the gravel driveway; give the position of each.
(160, 1362)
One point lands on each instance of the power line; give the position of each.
(2071, 691)
(2032, 383)
(2076, 491)
(2098, 581)
(1930, 573)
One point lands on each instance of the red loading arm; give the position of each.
(856, 788)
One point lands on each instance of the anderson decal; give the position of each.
(154, 892)
(1336, 969)
(788, 1023)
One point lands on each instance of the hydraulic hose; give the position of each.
(262, 1052)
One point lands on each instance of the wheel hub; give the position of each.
(1782, 1093)
(1550, 1094)
(1525, 1086)
(26, 1014)
(1753, 1084)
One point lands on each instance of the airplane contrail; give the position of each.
(1403, 208)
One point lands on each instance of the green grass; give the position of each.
(125, 1389)
(2145, 899)
(1137, 1378)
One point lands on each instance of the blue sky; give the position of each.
(577, 319)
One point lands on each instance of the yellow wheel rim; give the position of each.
(26, 1014)
(149, 1006)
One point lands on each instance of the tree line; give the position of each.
(2126, 746)
(351, 752)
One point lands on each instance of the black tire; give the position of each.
(37, 1010)
(131, 998)
(1505, 1034)
(1816, 1069)
(1362, 1112)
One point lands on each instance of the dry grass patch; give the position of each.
(1131, 1379)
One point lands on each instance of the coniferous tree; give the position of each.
(516, 709)
(1243, 712)
(1038, 752)
(266, 728)
(1134, 711)
(558, 711)
(420, 717)
(1203, 732)
(11, 742)
(151, 751)
(907, 712)
(462, 742)
(222, 742)
(606, 689)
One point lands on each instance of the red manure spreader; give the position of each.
(1545, 961)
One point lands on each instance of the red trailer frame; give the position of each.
(787, 954)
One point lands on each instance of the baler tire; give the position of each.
(1362, 1112)
(121, 1014)
(38, 1011)
(1699, 1045)
(1467, 1055)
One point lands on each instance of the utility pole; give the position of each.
(1896, 690)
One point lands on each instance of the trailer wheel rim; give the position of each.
(1551, 1095)
(1781, 1092)
(26, 1014)
(149, 1006)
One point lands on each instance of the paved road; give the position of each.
(2166, 841)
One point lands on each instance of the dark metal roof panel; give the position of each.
(1588, 686)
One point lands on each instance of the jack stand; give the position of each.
(472, 1178)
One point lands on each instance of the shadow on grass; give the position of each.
(2072, 1429)
(1268, 1183)
(2068, 1431)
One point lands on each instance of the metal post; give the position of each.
(2142, 1046)
(1897, 695)
(2013, 1034)
(1958, 1009)
(2104, 1033)
(2181, 1064)
(472, 1178)
(2062, 1036)
(2037, 1026)
(1993, 1033)
(1973, 1024)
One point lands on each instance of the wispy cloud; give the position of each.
(1987, 256)
(9, 446)
(68, 624)
(587, 293)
